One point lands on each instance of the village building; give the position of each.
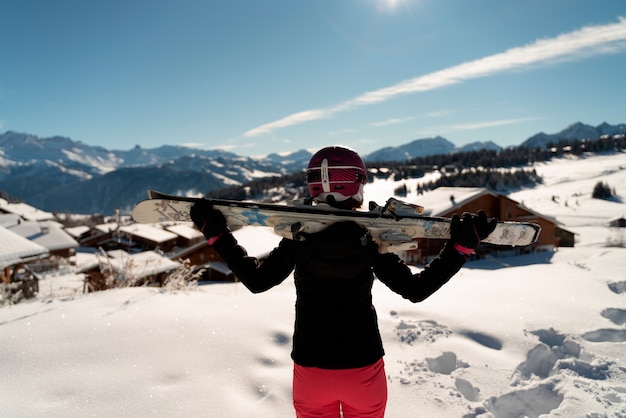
(446, 201)
(187, 234)
(49, 234)
(24, 211)
(618, 222)
(149, 236)
(137, 253)
(105, 236)
(119, 268)
(15, 252)
(258, 242)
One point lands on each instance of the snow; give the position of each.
(185, 230)
(15, 248)
(152, 232)
(25, 211)
(534, 335)
(49, 234)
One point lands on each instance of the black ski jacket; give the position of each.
(336, 325)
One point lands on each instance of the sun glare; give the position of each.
(395, 6)
(390, 6)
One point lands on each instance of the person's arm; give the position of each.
(465, 235)
(416, 287)
(257, 277)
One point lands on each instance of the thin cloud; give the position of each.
(572, 46)
(392, 121)
(488, 124)
(294, 119)
(438, 129)
(439, 113)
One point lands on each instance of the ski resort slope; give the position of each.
(536, 335)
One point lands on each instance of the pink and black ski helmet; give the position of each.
(336, 174)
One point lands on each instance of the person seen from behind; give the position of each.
(337, 347)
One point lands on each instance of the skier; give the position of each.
(337, 348)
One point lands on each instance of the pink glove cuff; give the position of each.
(463, 250)
(212, 240)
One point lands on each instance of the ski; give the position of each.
(397, 222)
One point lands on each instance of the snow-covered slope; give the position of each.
(537, 335)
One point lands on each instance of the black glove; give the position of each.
(209, 221)
(466, 233)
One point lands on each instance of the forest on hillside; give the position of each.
(501, 171)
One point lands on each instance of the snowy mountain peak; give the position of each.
(416, 148)
(51, 172)
(574, 131)
(426, 147)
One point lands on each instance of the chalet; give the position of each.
(15, 252)
(204, 258)
(258, 242)
(149, 236)
(187, 234)
(48, 234)
(25, 211)
(28, 239)
(105, 236)
(618, 222)
(118, 268)
(78, 232)
(446, 201)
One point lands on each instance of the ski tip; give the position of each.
(153, 194)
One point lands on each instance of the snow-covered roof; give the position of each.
(26, 211)
(9, 219)
(15, 249)
(77, 231)
(47, 234)
(107, 227)
(131, 266)
(147, 231)
(140, 265)
(443, 199)
(184, 230)
(85, 261)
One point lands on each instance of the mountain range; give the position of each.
(59, 174)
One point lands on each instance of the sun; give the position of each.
(389, 6)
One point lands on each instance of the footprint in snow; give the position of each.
(421, 331)
(606, 335)
(281, 339)
(445, 363)
(615, 315)
(618, 287)
(483, 339)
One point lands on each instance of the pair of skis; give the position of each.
(396, 223)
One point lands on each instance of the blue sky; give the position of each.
(262, 76)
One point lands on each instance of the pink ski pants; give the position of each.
(358, 393)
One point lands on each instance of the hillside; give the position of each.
(534, 335)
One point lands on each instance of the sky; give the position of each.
(255, 77)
